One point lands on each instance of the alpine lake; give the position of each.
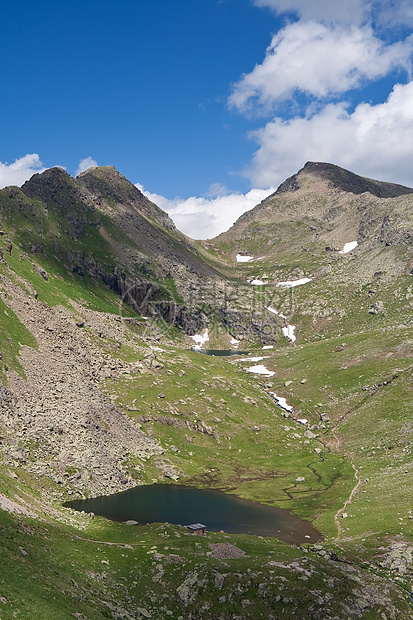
(184, 505)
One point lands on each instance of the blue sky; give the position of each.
(206, 104)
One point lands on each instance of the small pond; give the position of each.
(221, 352)
(181, 505)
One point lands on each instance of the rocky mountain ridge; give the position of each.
(100, 226)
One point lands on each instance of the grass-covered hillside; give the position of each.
(98, 395)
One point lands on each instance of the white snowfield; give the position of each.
(292, 283)
(261, 370)
(244, 259)
(348, 247)
(256, 282)
(275, 312)
(288, 332)
(200, 339)
(268, 346)
(252, 359)
(281, 402)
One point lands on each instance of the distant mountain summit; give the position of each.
(320, 192)
(324, 206)
(343, 179)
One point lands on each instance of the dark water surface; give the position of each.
(183, 505)
(221, 352)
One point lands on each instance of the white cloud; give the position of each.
(319, 61)
(207, 216)
(374, 140)
(84, 164)
(343, 11)
(388, 13)
(393, 13)
(20, 170)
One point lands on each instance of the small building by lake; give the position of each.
(197, 528)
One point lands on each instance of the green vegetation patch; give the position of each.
(13, 334)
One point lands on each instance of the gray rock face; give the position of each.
(377, 308)
(309, 434)
(187, 592)
(43, 273)
(399, 559)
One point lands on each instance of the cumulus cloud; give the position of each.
(310, 85)
(374, 140)
(84, 164)
(388, 13)
(393, 13)
(20, 170)
(319, 61)
(349, 11)
(207, 216)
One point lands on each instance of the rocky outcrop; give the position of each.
(399, 559)
(250, 326)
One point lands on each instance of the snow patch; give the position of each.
(348, 247)
(268, 346)
(302, 421)
(261, 370)
(281, 402)
(244, 259)
(292, 283)
(256, 282)
(288, 332)
(275, 312)
(200, 339)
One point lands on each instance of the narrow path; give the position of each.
(113, 544)
(353, 492)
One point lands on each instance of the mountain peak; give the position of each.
(111, 186)
(342, 179)
(56, 187)
(106, 172)
(50, 175)
(92, 168)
